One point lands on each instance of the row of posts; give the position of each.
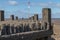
(12, 17)
(7, 29)
(35, 17)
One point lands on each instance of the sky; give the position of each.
(21, 8)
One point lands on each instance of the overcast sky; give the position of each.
(20, 7)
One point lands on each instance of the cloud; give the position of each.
(40, 4)
(43, 4)
(48, 4)
(58, 5)
(12, 2)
